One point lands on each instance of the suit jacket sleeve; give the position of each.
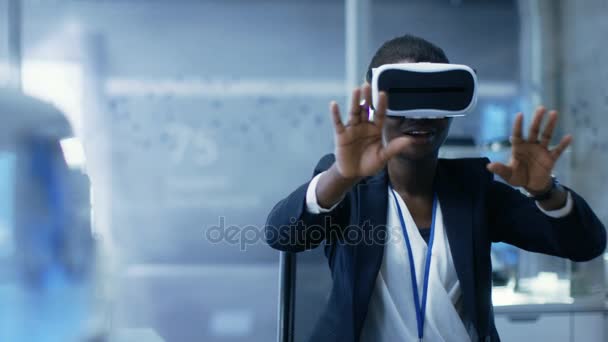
(515, 219)
(290, 227)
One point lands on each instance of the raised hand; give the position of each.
(532, 160)
(359, 149)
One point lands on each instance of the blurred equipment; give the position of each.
(426, 90)
(48, 280)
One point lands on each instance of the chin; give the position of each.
(417, 153)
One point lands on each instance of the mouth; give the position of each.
(420, 134)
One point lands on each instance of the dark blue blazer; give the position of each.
(477, 211)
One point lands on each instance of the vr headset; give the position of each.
(425, 90)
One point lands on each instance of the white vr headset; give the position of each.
(425, 90)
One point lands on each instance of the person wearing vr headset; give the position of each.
(408, 235)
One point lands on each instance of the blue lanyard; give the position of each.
(419, 307)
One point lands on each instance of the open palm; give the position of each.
(532, 161)
(360, 151)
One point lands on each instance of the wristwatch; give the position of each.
(547, 193)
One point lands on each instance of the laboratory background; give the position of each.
(143, 143)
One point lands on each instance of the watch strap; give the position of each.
(546, 194)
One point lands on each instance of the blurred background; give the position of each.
(133, 132)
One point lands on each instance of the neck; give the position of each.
(412, 177)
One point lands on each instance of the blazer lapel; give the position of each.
(368, 252)
(457, 206)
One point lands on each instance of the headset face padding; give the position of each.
(426, 90)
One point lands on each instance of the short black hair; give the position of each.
(406, 47)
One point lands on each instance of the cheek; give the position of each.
(390, 129)
(444, 135)
(445, 129)
(391, 126)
